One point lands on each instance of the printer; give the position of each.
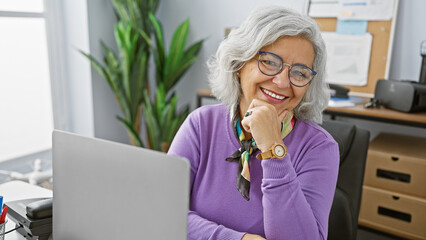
(404, 96)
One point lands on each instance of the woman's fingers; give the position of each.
(263, 123)
(282, 115)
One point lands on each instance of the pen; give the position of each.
(3, 215)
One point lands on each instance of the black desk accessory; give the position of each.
(33, 216)
(338, 91)
(404, 96)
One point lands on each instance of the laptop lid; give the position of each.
(108, 190)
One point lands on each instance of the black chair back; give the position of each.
(353, 146)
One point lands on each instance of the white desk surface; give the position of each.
(17, 190)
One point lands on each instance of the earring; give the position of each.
(238, 74)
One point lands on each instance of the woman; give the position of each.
(260, 165)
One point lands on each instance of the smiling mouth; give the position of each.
(273, 95)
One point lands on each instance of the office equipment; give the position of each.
(40, 209)
(338, 91)
(108, 190)
(394, 195)
(18, 190)
(403, 96)
(353, 146)
(32, 226)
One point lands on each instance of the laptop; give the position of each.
(107, 190)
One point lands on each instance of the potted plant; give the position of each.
(126, 72)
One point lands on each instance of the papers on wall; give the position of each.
(366, 9)
(348, 58)
(352, 9)
(324, 8)
(354, 27)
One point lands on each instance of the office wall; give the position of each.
(78, 71)
(105, 108)
(93, 108)
(410, 31)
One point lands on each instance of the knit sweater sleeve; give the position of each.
(297, 197)
(187, 144)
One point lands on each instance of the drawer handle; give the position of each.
(395, 159)
(395, 197)
(396, 176)
(394, 214)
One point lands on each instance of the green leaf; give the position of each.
(142, 74)
(120, 10)
(192, 50)
(177, 48)
(151, 123)
(159, 54)
(176, 75)
(160, 100)
(97, 66)
(131, 131)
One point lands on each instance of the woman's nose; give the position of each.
(281, 79)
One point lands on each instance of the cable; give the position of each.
(20, 226)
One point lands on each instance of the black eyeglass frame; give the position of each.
(282, 66)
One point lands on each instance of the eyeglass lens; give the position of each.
(271, 64)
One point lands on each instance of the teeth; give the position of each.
(273, 94)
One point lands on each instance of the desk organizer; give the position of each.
(394, 192)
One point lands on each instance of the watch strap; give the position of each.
(270, 153)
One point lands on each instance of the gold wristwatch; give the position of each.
(277, 150)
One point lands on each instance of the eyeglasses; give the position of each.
(271, 64)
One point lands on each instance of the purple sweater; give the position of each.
(290, 198)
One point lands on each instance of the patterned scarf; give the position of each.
(248, 146)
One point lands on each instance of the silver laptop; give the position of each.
(106, 190)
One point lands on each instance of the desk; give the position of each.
(382, 114)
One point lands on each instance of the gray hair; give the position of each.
(263, 27)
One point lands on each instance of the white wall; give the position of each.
(93, 108)
(410, 32)
(78, 73)
(105, 107)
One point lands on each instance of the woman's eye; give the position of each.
(298, 73)
(270, 63)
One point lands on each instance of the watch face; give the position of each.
(279, 151)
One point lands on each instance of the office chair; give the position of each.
(353, 146)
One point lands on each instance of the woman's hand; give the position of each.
(248, 236)
(264, 124)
